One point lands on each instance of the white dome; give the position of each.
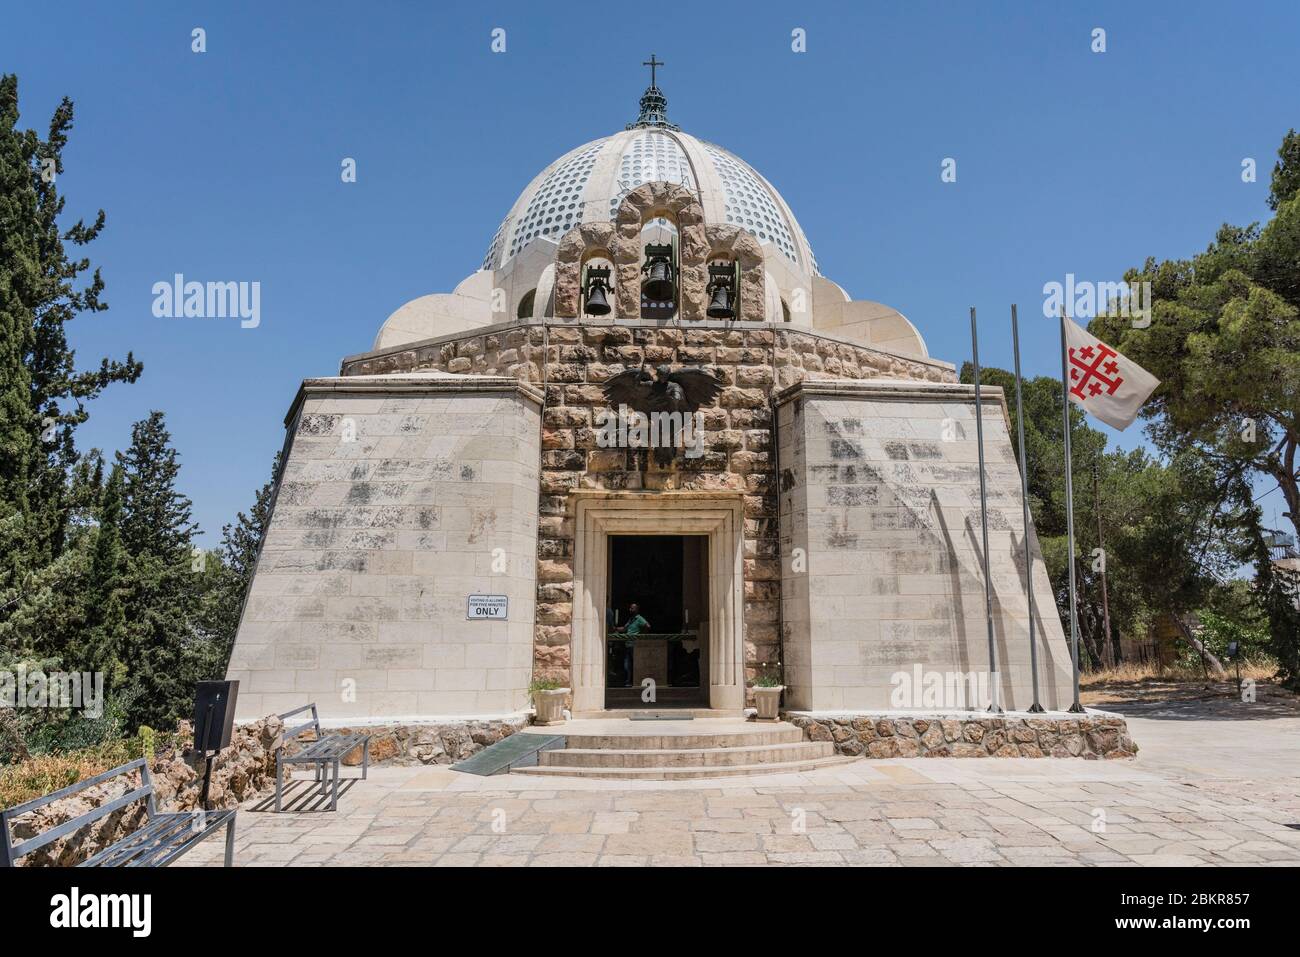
(587, 184)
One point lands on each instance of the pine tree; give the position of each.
(225, 584)
(156, 517)
(162, 600)
(240, 543)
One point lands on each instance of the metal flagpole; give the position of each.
(994, 680)
(1075, 708)
(1108, 649)
(1036, 707)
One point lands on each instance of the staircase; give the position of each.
(616, 749)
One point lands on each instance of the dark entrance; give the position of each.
(659, 650)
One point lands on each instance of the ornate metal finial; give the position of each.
(654, 105)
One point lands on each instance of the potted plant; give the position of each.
(767, 696)
(548, 701)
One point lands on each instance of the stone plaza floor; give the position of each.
(1211, 786)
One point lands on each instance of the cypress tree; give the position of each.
(43, 396)
(105, 626)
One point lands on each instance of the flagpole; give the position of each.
(1036, 707)
(994, 680)
(1076, 707)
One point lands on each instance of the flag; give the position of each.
(1103, 382)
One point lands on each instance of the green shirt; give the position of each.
(636, 625)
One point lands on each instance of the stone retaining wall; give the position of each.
(243, 771)
(431, 743)
(1089, 736)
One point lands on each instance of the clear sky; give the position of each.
(225, 165)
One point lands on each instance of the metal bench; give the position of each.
(323, 753)
(163, 838)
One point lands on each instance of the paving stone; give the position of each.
(944, 812)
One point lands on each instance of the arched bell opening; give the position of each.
(660, 268)
(723, 287)
(596, 292)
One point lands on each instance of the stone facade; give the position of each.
(372, 548)
(880, 504)
(957, 735)
(570, 361)
(400, 496)
(620, 243)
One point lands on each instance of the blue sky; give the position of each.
(225, 165)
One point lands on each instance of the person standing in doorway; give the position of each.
(634, 625)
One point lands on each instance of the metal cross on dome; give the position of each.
(652, 64)
(654, 105)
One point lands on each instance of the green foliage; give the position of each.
(1171, 534)
(104, 632)
(1225, 342)
(96, 574)
(1218, 631)
(224, 595)
(1286, 172)
(543, 684)
(148, 740)
(1277, 590)
(42, 395)
(161, 599)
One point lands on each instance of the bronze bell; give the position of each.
(720, 303)
(597, 304)
(721, 278)
(658, 285)
(597, 282)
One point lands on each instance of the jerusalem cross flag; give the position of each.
(1103, 382)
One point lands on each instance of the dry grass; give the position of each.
(1131, 672)
(46, 773)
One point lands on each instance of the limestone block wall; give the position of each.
(880, 489)
(571, 360)
(400, 496)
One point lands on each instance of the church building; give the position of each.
(649, 453)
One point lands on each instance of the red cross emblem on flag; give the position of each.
(1093, 370)
(1108, 385)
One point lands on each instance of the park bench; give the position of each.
(162, 839)
(325, 752)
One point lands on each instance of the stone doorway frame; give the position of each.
(717, 515)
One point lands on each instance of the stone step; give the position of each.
(776, 734)
(675, 774)
(686, 757)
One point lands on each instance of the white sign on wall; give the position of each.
(487, 607)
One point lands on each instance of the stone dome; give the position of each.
(586, 184)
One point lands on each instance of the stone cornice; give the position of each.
(419, 383)
(897, 390)
(724, 324)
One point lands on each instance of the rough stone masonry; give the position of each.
(408, 471)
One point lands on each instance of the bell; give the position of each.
(597, 304)
(658, 286)
(720, 303)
